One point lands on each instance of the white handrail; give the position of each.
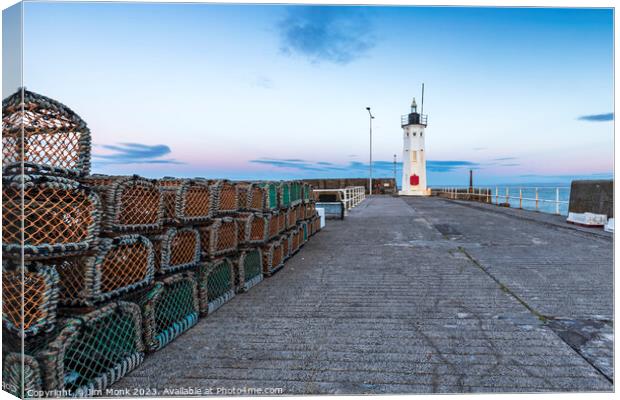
(351, 196)
(487, 193)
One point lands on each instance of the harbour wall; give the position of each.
(379, 185)
(595, 196)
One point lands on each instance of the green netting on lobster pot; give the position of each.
(216, 284)
(108, 345)
(250, 267)
(271, 200)
(285, 194)
(303, 227)
(295, 192)
(21, 382)
(306, 192)
(168, 309)
(84, 355)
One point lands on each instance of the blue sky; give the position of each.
(519, 95)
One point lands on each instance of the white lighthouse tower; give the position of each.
(414, 157)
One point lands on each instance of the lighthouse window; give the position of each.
(421, 134)
(413, 133)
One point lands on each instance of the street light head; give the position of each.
(368, 108)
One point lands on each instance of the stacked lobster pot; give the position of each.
(66, 331)
(99, 270)
(170, 305)
(219, 242)
(254, 223)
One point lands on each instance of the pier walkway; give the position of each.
(411, 295)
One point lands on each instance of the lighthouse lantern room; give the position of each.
(414, 157)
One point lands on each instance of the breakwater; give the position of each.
(379, 185)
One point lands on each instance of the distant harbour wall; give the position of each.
(379, 185)
(482, 195)
(594, 196)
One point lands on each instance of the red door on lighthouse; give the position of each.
(414, 180)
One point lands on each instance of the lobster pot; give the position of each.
(284, 193)
(252, 197)
(291, 218)
(216, 284)
(295, 193)
(59, 216)
(253, 228)
(36, 289)
(121, 265)
(130, 203)
(303, 231)
(306, 192)
(300, 213)
(310, 224)
(169, 187)
(221, 237)
(187, 201)
(316, 222)
(196, 202)
(273, 257)
(16, 366)
(107, 345)
(43, 133)
(226, 197)
(295, 240)
(274, 226)
(250, 269)
(310, 210)
(84, 355)
(176, 249)
(285, 241)
(169, 308)
(271, 195)
(282, 222)
(243, 192)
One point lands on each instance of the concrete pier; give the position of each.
(411, 295)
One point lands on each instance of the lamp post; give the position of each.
(395, 184)
(370, 163)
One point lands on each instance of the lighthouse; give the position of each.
(414, 157)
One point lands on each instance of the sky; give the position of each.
(280, 92)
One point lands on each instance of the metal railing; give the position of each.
(350, 196)
(552, 199)
(411, 119)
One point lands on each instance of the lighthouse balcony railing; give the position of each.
(413, 119)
